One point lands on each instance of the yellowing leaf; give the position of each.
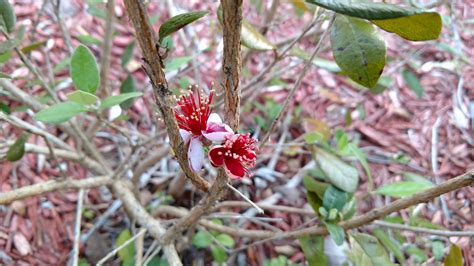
(419, 27)
(454, 257)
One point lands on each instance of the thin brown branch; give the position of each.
(53, 185)
(153, 65)
(297, 84)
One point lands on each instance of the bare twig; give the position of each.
(422, 230)
(77, 229)
(53, 185)
(297, 83)
(117, 249)
(259, 210)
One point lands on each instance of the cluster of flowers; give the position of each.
(200, 128)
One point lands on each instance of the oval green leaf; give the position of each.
(338, 173)
(178, 22)
(366, 250)
(17, 150)
(82, 97)
(84, 70)
(313, 249)
(202, 239)
(366, 10)
(218, 254)
(128, 85)
(336, 232)
(334, 198)
(358, 49)
(34, 46)
(413, 82)
(127, 253)
(226, 240)
(60, 112)
(403, 189)
(418, 27)
(7, 16)
(389, 244)
(118, 99)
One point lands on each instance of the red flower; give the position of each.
(236, 154)
(197, 123)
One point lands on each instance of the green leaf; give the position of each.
(336, 232)
(8, 45)
(17, 150)
(362, 160)
(334, 198)
(314, 201)
(418, 27)
(84, 70)
(127, 253)
(389, 244)
(82, 97)
(315, 186)
(418, 255)
(338, 173)
(127, 86)
(358, 49)
(413, 82)
(366, 10)
(4, 108)
(60, 112)
(158, 261)
(118, 99)
(218, 254)
(34, 46)
(226, 240)
(7, 16)
(402, 189)
(313, 249)
(177, 62)
(88, 40)
(367, 251)
(313, 137)
(454, 257)
(202, 239)
(5, 56)
(178, 22)
(253, 39)
(127, 54)
(4, 76)
(416, 178)
(62, 64)
(437, 248)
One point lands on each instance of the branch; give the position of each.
(50, 186)
(422, 230)
(106, 48)
(122, 190)
(232, 16)
(153, 65)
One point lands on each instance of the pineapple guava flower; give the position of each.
(198, 126)
(236, 154)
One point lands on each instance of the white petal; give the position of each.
(216, 136)
(196, 154)
(214, 118)
(186, 135)
(114, 112)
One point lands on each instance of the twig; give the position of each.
(50, 186)
(434, 162)
(152, 255)
(241, 204)
(297, 84)
(144, 165)
(259, 210)
(117, 249)
(116, 204)
(107, 47)
(422, 230)
(77, 229)
(62, 27)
